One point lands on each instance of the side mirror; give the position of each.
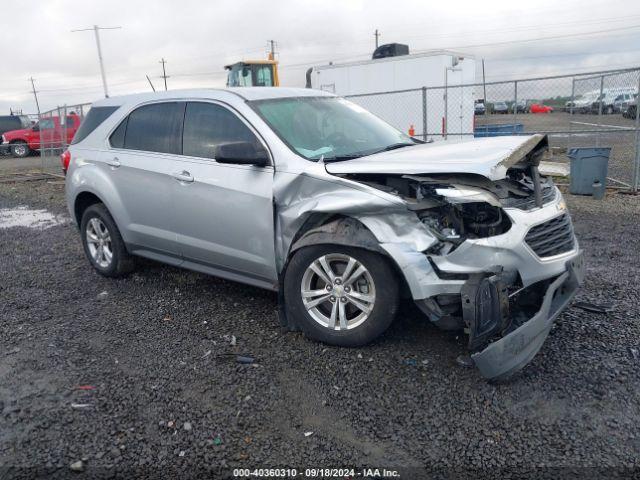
(241, 153)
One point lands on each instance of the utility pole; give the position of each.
(484, 85)
(96, 31)
(164, 73)
(376, 34)
(272, 53)
(35, 95)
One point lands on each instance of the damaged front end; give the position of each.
(506, 260)
(487, 247)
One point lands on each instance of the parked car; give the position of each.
(12, 122)
(583, 103)
(522, 106)
(500, 107)
(479, 108)
(50, 131)
(307, 194)
(631, 109)
(539, 108)
(613, 101)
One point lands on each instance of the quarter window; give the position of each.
(207, 125)
(93, 120)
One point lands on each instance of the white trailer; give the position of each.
(372, 83)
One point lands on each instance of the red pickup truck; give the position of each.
(49, 131)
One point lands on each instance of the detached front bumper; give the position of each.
(505, 356)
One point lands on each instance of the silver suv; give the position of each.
(307, 194)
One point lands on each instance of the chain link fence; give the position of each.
(586, 110)
(56, 129)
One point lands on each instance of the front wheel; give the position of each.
(103, 243)
(341, 295)
(20, 149)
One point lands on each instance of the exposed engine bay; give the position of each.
(467, 206)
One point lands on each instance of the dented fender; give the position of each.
(386, 217)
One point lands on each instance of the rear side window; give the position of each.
(154, 128)
(94, 118)
(207, 125)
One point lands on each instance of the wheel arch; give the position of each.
(83, 201)
(320, 229)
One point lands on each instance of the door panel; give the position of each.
(223, 212)
(224, 218)
(146, 145)
(143, 182)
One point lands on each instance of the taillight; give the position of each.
(65, 158)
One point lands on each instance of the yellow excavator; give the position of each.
(253, 73)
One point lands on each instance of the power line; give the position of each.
(537, 39)
(376, 34)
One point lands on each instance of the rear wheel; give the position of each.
(341, 295)
(20, 149)
(103, 243)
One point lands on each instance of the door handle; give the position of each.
(183, 176)
(115, 163)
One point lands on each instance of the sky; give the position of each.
(198, 37)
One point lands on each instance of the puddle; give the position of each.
(26, 217)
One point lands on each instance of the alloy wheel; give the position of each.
(99, 242)
(338, 291)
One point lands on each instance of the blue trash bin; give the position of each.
(589, 166)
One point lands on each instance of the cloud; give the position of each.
(197, 38)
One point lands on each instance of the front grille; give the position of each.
(529, 203)
(552, 237)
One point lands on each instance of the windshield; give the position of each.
(329, 127)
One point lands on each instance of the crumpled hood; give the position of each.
(489, 157)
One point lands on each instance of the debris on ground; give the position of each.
(308, 434)
(80, 405)
(244, 359)
(465, 361)
(593, 307)
(77, 466)
(102, 295)
(187, 426)
(635, 353)
(217, 440)
(412, 362)
(206, 354)
(85, 387)
(231, 339)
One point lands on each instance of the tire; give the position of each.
(376, 289)
(96, 219)
(20, 149)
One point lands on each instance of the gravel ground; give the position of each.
(135, 382)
